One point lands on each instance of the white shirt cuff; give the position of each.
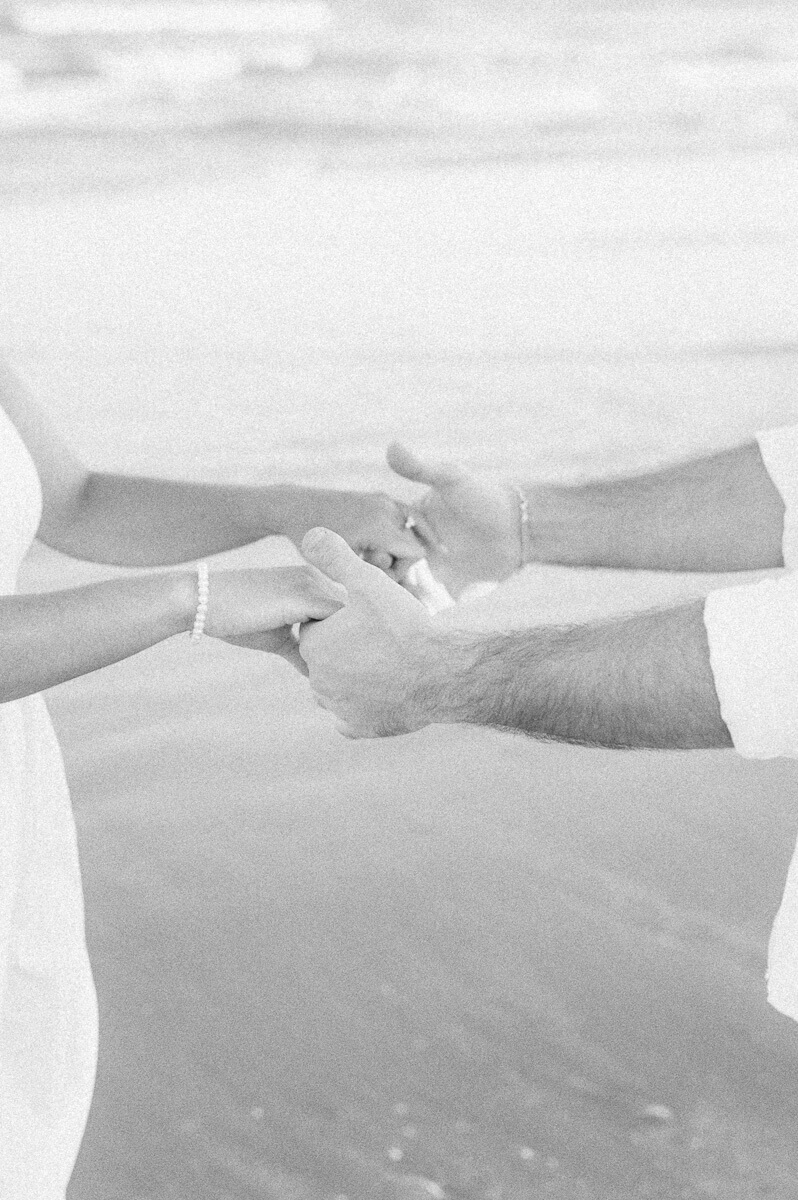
(753, 646)
(782, 971)
(779, 450)
(753, 650)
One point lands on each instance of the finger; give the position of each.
(395, 551)
(291, 654)
(402, 567)
(426, 533)
(267, 641)
(402, 557)
(347, 731)
(379, 558)
(307, 637)
(325, 596)
(399, 568)
(422, 584)
(280, 642)
(331, 554)
(407, 464)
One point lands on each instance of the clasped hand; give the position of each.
(380, 664)
(373, 656)
(258, 608)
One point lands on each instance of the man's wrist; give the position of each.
(564, 526)
(487, 678)
(445, 687)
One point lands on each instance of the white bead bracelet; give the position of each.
(203, 590)
(525, 529)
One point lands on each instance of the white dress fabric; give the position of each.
(753, 644)
(48, 1010)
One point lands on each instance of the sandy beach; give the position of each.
(456, 964)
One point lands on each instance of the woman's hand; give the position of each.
(470, 530)
(247, 604)
(372, 523)
(274, 641)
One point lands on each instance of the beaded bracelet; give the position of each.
(525, 529)
(203, 590)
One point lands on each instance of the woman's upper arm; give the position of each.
(63, 476)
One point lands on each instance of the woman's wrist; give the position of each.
(181, 596)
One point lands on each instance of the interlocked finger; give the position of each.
(425, 530)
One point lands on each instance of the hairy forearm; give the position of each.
(48, 638)
(141, 522)
(639, 681)
(716, 514)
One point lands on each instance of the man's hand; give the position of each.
(373, 663)
(470, 530)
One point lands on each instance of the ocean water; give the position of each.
(420, 78)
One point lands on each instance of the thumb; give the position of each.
(405, 463)
(331, 554)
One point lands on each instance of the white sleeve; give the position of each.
(753, 631)
(753, 652)
(753, 646)
(779, 449)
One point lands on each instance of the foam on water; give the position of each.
(553, 81)
(183, 16)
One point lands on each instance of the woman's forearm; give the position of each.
(48, 638)
(144, 522)
(716, 514)
(134, 521)
(137, 521)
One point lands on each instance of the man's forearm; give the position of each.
(639, 681)
(716, 514)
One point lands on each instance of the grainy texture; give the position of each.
(330, 969)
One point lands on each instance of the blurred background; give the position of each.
(152, 87)
(255, 241)
(466, 201)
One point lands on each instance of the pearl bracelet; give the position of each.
(525, 529)
(203, 590)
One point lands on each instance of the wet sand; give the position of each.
(326, 969)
